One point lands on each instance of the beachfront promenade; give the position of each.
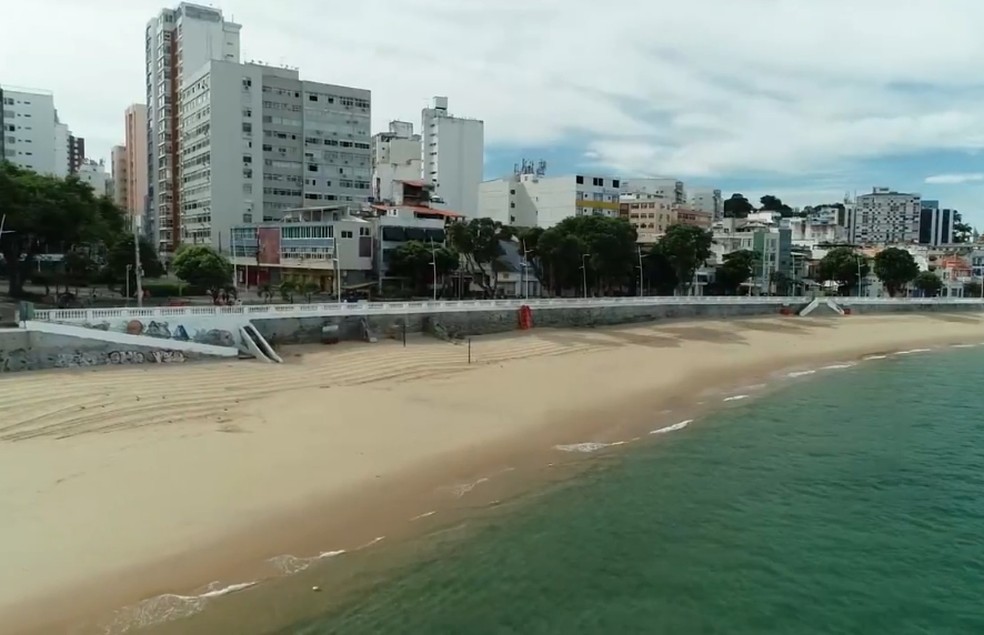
(267, 311)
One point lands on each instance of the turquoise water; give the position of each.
(849, 503)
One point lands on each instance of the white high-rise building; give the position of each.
(886, 217)
(178, 42)
(396, 156)
(453, 157)
(257, 140)
(94, 173)
(709, 201)
(33, 137)
(668, 188)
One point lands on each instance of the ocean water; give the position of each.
(850, 501)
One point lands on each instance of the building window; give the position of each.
(615, 183)
(346, 233)
(579, 179)
(364, 231)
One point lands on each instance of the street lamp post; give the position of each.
(526, 270)
(433, 270)
(584, 272)
(640, 271)
(129, 268)
(137, 269)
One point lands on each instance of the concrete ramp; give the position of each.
(124, 341)
(809, 308)
(835, 307)
(368, 333)
(257, 346)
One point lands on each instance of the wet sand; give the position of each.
(123, 484)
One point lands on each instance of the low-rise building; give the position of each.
(396, 156)
(650, 214)
(529, 198)
(688, 216)
(311, 244)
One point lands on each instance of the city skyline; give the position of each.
(815, 108)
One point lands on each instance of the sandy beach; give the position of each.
(125, 483)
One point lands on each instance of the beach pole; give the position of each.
(469, 351)
(404, 331)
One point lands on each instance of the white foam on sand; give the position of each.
(672, 428)
(735, 398)
(913, 351)
(464, 488)
(800, 373)
(585, 447)
(871, 357)
(422, 516)
(838, 366)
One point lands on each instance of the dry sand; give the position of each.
(120, 484)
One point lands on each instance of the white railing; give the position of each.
(260, 311)
(395, 308)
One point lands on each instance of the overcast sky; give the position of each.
(806, 98)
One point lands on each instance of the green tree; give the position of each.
(782, 282)
(287, 290)
(735, 270)
(772, 203)
(309, 288)
(687, 248)
(605, 246)
(928, 283)
(842, 265)
(47, 214)
(478, 242)
(659, 273)
(119, 270)
(412, 260)
(895, 268)
(737, 207)
(203, 267)
(79, 268)
(962, 232)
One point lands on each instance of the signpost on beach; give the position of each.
(584, 272)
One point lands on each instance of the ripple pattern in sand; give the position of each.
(66, 404)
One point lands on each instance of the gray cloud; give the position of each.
(698, 88)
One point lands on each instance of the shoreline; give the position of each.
(400, 486)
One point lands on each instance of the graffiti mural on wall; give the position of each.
(153, 357)
(163, 330)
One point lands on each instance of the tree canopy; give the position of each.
(478, 243)
(928, 283)
(686, 248)
(842, 265)
(735, 270)
(772, 203)
(202, 266)
(412, 260)
(605, 247)
(895, 268)
(45, 214)
(120, 263)
(737, 206)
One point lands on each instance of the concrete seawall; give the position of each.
(22, 350)
(279, 331)
(171, 329)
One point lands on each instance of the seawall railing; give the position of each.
(261, 311)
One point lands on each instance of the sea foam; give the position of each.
(672, 428)
(167, 607)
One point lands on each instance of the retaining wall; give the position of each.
(870, 306)
(289, 330)
(21, 350)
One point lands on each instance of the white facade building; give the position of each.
(669, 188)
(178, 42)
(886, 217)
(396, 156)
(31, 132)
(94, 173)
(453, 157)
(709, 201)
(257, 141)
(531, 199)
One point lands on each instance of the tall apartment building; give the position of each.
(31, 132)
(935, 224)
(708, 201)
(258, 140)
(670, 188)
(650, 214)
(94, 173)
(529, 198)
(885, 217)
(396, 156)
(135, 125)
(3, 128)
(453, 157)
(178, 42)
(118, 173)
(76, 153)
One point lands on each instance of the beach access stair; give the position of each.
(817, 302)
(114, 340)
(258, 346)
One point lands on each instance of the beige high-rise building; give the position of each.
(119, 176)
(136, 161)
